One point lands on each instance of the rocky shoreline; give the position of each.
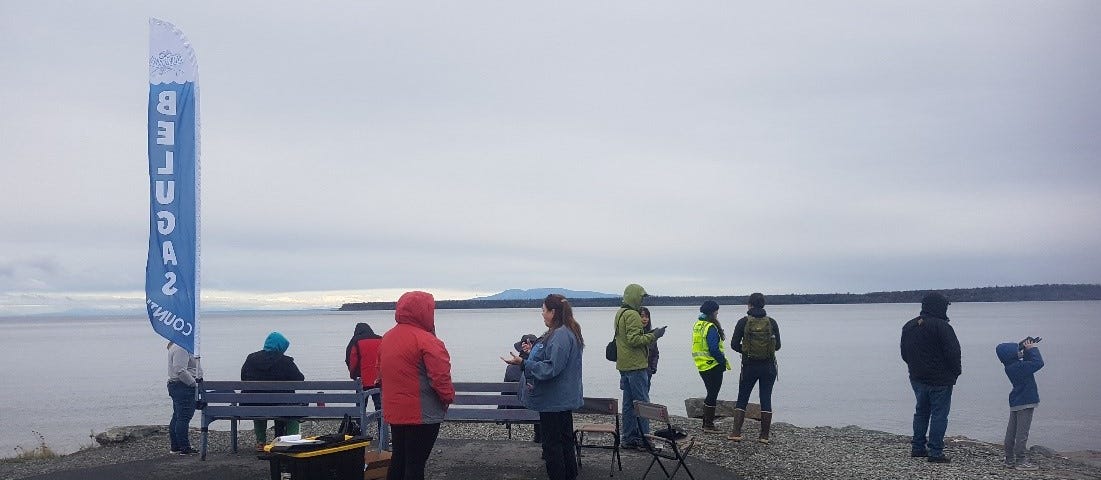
(795, 453)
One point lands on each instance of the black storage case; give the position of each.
(335, 461)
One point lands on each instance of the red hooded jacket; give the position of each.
(414, 366)
(361, 356)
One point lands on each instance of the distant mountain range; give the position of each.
(516, 298)
(541, 293)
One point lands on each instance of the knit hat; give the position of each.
(276, 342)
(529, 338)
(709, 307)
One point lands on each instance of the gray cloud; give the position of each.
(702, 148)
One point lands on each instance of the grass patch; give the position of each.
(41, 451)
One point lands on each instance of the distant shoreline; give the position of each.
(1023, 293)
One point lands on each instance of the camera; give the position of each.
(1021, 344)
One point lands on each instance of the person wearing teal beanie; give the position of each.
(270, 364)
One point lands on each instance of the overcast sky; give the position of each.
(353, 150)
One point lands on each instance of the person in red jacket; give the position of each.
(361, 356)
(415, 377)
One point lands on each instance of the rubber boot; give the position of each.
(709, 419)
(739, 418)
(766, 424)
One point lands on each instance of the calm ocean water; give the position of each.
(66, 377)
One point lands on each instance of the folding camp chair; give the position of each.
(661, 447)
(599, 406)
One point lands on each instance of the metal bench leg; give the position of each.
(233, 434)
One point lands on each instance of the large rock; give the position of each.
(123, 434)
(725, 408)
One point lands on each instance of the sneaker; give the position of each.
(187, 451)
(921, 454)
(940, 459)
(1026, 466)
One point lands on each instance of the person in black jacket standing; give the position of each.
(271, 364)
(932, 355)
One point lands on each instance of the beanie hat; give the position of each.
(709, 307)
(276, 342)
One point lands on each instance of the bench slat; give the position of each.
(267, 397)
(352, 385)
(491, 415)
(490, 387)
(504, 400)
(274, 411)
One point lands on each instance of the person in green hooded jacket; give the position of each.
(632, 361)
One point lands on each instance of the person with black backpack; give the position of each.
(757, 338)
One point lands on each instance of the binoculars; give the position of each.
(1021, 344)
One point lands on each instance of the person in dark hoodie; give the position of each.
(1022, 361)
(270, 364)
(513, 373)
(757, 337)
(361, 357)
(932, 354)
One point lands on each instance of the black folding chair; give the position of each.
(599, 406)
(660, 447)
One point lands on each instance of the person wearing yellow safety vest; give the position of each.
(707, 351)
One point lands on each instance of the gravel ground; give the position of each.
(795, 453)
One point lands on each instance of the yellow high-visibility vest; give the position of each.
(700, 353)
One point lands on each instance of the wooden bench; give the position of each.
(482, 402)
(308, 400)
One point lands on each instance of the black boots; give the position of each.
(739, 418)
(709, 419)
(766, 424)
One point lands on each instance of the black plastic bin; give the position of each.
(337, 461)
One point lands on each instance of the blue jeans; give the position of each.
(930, 415)
(636, 386)
(183, 408)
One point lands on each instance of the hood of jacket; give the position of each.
(935, 305)
(417, 309)
(364, 331)
(632, 296)
(362, 328)
(1007, 352)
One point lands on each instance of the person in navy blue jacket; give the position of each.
(932, 354)
(1022, 361)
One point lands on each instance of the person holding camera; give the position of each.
(632, 351)
(1022, 360)
(932, 354)
(514, 373)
